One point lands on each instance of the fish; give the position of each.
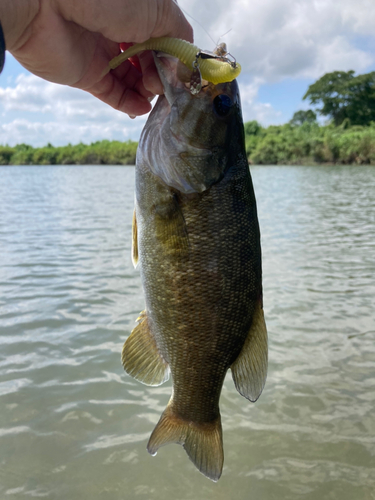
(196, 239)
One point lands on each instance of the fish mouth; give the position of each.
(174, 76)
(185, 142)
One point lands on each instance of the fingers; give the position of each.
(127, 20)
(123, 99)
(171, 22)
(74, 42)
(150, 77)
(124, 90)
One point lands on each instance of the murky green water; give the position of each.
(74, 426)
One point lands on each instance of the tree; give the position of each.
(302, 116)
(344, 95)
(252, 128)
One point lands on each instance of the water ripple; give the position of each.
(73, 425)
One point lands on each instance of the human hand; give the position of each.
(71, 42)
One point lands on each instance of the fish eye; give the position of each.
(222, 105)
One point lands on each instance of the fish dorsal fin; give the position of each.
(134, 240)
(141, 358)
(249, 371)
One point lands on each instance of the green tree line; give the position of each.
(349, 137)
(310, 143)
(348, 101)
(98, 153)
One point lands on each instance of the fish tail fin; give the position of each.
(203, 442)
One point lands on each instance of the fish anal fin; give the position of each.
(141, 358)
(134, 240)
(203, 442)
(249, 371)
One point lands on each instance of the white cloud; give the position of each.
(273, 40)
(36, 95)
(59, 114)
(252, 109)
(358, 17)
(60, 133)
(339, 54)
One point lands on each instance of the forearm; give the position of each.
(16, 17)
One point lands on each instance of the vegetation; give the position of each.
(310, 143)
(349, 137)
(97, 153)
(345, 96)
(302, 116)
(307, 143)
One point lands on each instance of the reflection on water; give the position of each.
(73, 425)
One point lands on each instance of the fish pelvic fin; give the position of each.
(134, 240)
(249, 371)
(203, 442)
(141, 358)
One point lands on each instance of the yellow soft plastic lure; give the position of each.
(214, 70)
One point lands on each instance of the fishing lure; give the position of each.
(215, 67)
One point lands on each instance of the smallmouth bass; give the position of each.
(196, 236)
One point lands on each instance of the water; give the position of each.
(74, 426)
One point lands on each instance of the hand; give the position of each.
(71, 42)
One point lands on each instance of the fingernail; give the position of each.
(131, 116)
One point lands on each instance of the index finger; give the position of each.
(128, 20)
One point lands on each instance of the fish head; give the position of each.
(190, 139)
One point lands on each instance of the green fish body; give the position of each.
(196, 236)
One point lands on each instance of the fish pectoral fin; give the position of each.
(170, 229)
(134, 240)
(141, 358)
(203, 442)
(249, 371)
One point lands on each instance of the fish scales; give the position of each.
(198, 241)
(208, 314)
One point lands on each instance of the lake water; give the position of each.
(74, 426)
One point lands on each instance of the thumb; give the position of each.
(171, 22)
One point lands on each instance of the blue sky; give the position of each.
(282, 45)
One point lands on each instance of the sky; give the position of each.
(283, 46)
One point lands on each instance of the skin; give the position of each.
(71, 42)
